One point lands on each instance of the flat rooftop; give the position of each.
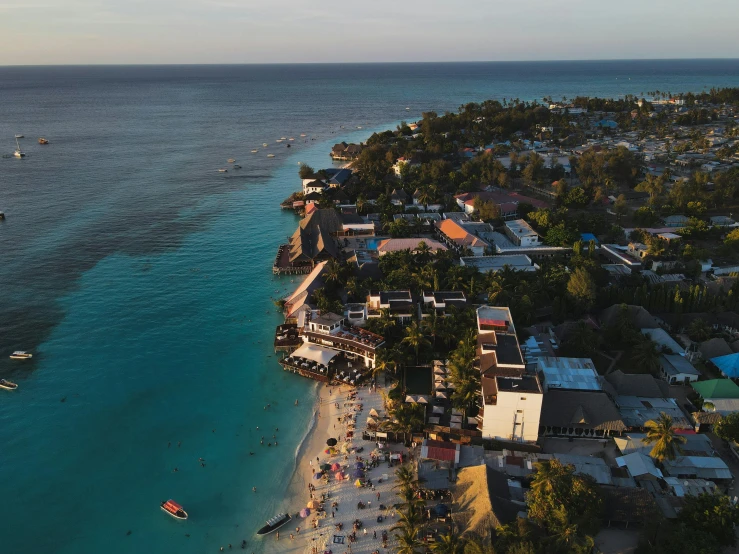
(569, 373)
(525, 383)
(519, 262)
(520, 228)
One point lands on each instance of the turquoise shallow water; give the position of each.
(141, 279)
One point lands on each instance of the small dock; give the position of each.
(282, 265)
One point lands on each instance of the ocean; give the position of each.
(140, 278)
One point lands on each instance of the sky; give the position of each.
(39, 32)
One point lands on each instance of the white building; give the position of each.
(332, 331)
(511, 399)
(511, 408)
(521, 233)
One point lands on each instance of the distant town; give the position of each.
(548, 292)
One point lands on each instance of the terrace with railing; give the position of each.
(345, 337)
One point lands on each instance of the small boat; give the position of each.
(291, 138)
(287, 145)
(254, 151)
(2, 216)
(279, 140)
(7, 385)
(265, 144)
(20, 355)
(42, 140)
(230, 160)
(407, 109)
(274, 524)
(18, 136)
(223, 171)
(174, 509)
(303, 135)
(270, 155)
(236, 166)
(18, 152)
(283, 138)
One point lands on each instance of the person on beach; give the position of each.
(278, 535)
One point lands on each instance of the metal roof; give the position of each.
(569, 373)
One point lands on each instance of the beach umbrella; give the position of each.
(335, 467)
(359, 465)
(358, 473)
(331, 442)
(339, 476)
(371, 421)
(313, 504)
(317, 476)
(358, 483)
(305, 512)
(373, 413)
(327, 451)
(325, 467)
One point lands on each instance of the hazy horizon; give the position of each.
(195, 32)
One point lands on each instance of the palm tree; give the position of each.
(332, 272)
(432, 325)
(646, 357)
(415, 338)
(405, 418)
(408, 541)
(406, 477)
(450, 543)
(476, 546)
(423, 252)
(667, 443)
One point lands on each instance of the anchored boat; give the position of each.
(20, 355)
(174, 509)
(5, 384)
(274, 524)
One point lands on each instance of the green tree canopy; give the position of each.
(728, 427)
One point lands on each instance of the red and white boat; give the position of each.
(174, 509)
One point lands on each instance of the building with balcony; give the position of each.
(398, 303)
(332, 331)
(511, 398)
(440, 300)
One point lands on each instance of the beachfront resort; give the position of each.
(523, 319)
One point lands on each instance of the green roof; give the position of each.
(717, 388)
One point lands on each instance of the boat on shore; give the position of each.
(174, 509)
(20, 355)
(274, 524)
(42, 140)
(7, 385)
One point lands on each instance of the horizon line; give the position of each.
(183, 64)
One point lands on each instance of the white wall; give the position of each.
(498, 421)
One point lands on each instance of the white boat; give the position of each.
(230, 160)
(279, 140)
(303, 135)
(283, 138)
(291, 138)
(18, 152)
(270, 155)
(20, 355)
(7, 385)
(265, 144)
(254, 151)
(222, 170)
(18, 136)
(407, 109)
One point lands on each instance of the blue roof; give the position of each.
(587, 237)
(728, 364)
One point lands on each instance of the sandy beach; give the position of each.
(331, 407)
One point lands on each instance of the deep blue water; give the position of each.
(140, 277)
